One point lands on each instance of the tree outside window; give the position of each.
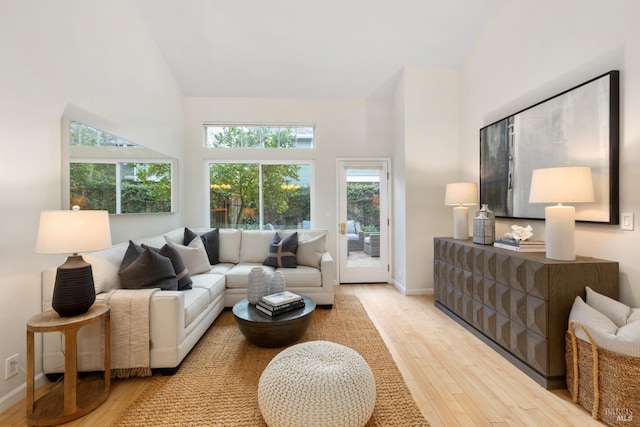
(258, 195)
(113, 185)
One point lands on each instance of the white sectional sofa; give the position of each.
(179, 318)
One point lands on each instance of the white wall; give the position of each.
(427, 140)
(399, 189)
(532, 50)
(344, 128)
(94, 55)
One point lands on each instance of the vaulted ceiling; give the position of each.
(309, 49)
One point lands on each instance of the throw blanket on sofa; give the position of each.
(130, 332)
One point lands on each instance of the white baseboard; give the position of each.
(404, 291)
(20, 392)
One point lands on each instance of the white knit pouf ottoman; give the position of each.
(317, 383)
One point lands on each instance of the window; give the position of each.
(260, 195)
(287, 137)
(102, 176)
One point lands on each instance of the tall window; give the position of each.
(99, 180)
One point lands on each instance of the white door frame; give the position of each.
(382, 273)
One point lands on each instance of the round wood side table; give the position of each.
(75, 397)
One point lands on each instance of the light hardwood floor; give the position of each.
(455, 379)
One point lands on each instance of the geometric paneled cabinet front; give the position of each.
(518, 303)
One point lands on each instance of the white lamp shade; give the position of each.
(461, 193)
(73, 231)
(562, 185)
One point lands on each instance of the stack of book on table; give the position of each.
(279, 303)
(519, 245)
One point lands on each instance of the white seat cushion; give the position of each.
(214, 283)
(238, 276)
(195, 301)
(302, 276)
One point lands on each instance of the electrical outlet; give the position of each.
(11, 366)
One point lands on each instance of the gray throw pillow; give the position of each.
(146, 269)
(282, 252)
(179, 267)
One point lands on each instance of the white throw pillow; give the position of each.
(628, 340)
(230, 245)
(310, 249)
(255, 245)
(194, 255)
(599, 325)
(634, 316)
(614, 310)
(105, 265)
(176, 235)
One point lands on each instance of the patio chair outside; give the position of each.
(372, 244)
(355, 237)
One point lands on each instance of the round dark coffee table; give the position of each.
(277, 331)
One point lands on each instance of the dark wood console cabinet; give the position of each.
(518, 303)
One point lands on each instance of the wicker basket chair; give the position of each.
(603, 382)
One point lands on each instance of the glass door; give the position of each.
(363, 232)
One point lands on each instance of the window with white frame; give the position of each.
(267, 136)
(260, 195)
(127, 184)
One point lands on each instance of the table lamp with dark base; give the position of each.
(72, 232)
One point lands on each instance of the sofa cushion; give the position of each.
(105, 265)
(310, 249)
(255, 245)
(614, 310)
(194, 255)
(211, 240)
(282, 252)
(238, 276)
(174, 235)
(144, 268)
(179, 267)
(303, 276)
(212, 282)
(230, 245)
(196, 301)
(221, 268)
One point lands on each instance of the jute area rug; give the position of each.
(217, 383)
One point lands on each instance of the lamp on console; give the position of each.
(459, 194)
(561, 185)
(72, 232)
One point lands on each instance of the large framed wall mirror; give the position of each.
(107, 172)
